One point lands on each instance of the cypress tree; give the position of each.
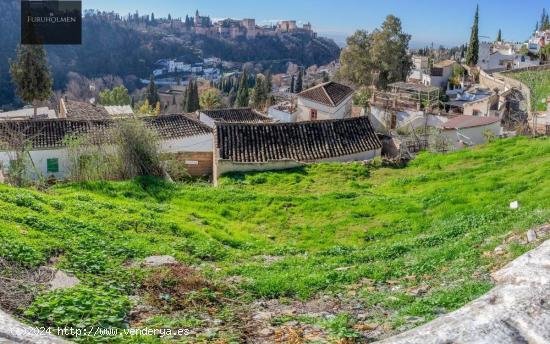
(259, 95)
(473, 47)
(292, 82)
(196, 100)
(152, 94)
(268, 84)
(31, 75)
(499, 36)
(543, 19)
(242, 94)
(186, 105)
(299, 82)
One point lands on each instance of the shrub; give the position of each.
(137, 149)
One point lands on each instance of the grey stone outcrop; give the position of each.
(516, 310)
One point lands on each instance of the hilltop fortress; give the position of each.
(233, 28)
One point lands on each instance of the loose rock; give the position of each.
(154, 261)
(531, 235)
(61, 280)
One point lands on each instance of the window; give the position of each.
(52, 165)
(312, 114)
(476, 113)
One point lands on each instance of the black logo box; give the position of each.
(51, 22)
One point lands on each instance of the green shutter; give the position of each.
(53, 165)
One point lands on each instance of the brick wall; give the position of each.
(198, 164)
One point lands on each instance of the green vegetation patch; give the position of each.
(405, 243)
(539, 84)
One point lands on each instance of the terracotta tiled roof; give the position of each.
(465, 121)
(174, 126)
(302, 141)
(241, 115)
(329, 93)
(51, 133)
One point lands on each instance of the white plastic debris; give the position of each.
(514, 205)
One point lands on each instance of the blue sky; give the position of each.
(441, 22)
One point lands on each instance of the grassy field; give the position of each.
(539, 84)
(401, 246)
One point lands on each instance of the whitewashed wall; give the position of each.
(324, 112)
(471, 136)
(207, 120)
(39, 161)
(199, 143)
(280, 116)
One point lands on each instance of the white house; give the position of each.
(189, 140)
(239, 115)
(330, 100)
(538, 40)
(503, 56)
(463, 130)
(440, 74)
(282, 112)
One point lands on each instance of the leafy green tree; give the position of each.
(117, 96)
(243, 92)
(152, 94)
(378, 58)
(31, 75)
(499, 36)
(210, 99)
(473, 47)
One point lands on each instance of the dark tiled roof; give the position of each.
(465, 121)
(174, 126)
(329, 93)
(302, 141)
(241, 115)
(85, 111)
(51, 133)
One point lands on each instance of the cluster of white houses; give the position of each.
(212, 142)
(320, 125)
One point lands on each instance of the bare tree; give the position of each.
(17, 139)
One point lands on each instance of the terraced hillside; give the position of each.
(539, 84)
(347, 252)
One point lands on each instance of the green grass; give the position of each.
(539, 84)
(330, 226)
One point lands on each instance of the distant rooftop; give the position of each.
(411, 87)
(41, 112)
(51, 133)
(330, 93)
(465, 121)
(240, 115)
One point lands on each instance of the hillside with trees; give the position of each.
(129, 50)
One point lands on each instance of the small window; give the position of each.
(52, 165)
(313, 114)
